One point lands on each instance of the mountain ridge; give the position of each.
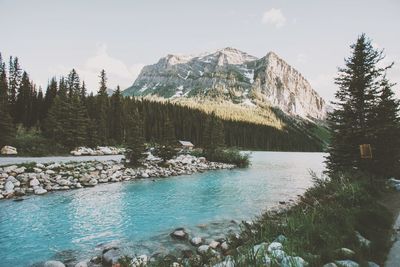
(232, 75)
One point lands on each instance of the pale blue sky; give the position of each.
(50, 37)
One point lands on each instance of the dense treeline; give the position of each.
(67, 115)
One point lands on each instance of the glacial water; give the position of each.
(72, 224)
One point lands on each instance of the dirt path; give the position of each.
(392, 202)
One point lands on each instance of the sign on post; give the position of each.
(366, 151)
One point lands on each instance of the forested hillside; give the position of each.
(66, 116)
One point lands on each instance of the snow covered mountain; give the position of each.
(231, 75)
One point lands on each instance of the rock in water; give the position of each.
(214, 244)
(9, 150)
(81, 264)
(111, 256)
(196, 241)
(180, 234)
(40, 191)
(53, 264)
(203, 249)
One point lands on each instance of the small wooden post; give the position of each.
(365, 151)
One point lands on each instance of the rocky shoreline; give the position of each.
(17, 181)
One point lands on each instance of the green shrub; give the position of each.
(32, 143)
(230, 155)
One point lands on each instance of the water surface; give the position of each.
(76, 221)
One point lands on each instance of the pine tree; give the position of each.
(387, 132)
(23, 103)
(67, 122)
(92, 136)
(15, 75)
(7, 130)
(50, 95)
(3, 84)
(168, 140)
(116, 117)
(102, 109)
(62, 88)
(83, 90)
(39, 106)
(134, 137)
(352, 120)
(77, 123)
(73, 84)
(213, 134)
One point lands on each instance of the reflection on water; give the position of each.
(139, 213)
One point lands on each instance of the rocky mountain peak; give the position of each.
(232, 75)
(229, 55)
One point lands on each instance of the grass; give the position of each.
(324, 221)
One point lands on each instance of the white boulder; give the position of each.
(9, 187)
(9, 150)
(81, 264)
(196, 241)
(34, 182)
(40, 191)
(10, 168)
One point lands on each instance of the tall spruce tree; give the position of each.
(3, 84)
(7, 130)
(213, 134)
(387, 132)
(102, 109)
(168, 140)
(14, 80)
(73, 84)
(116, 117)
(134, 136)
(92, 136)
(352, 120)
(23, 103)
(50, 95)
(83, 90)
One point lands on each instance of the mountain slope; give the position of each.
(234, 76)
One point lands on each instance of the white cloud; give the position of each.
(118, 73)
(274, 17)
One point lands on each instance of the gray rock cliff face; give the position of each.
(232, 75)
